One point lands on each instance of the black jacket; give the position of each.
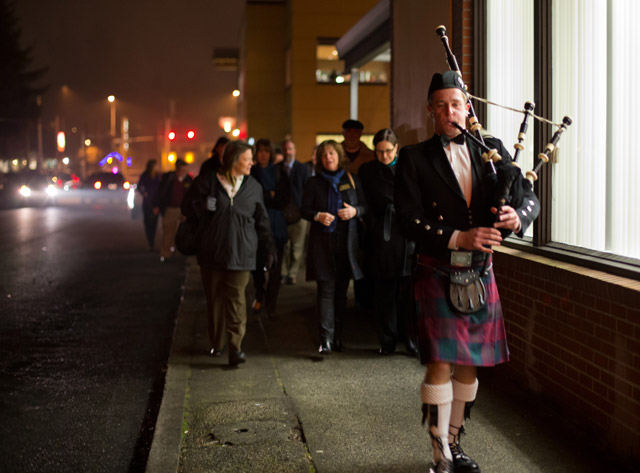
(298, 176)
(387, 251)
(430, 204)
(229, 236)
(320, 260)
(163, 195)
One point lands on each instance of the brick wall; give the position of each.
(574, 336)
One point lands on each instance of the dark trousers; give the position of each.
(393, 311)
(150, 224)
(332, 301)
(267, 290)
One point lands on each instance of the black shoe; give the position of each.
(325, 348)
(386, 350)
(215, 353)
(442, 466)
(462, 463)
(236, 357)
(412, 349)
(337, 345)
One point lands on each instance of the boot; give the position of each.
(462, 463)
(464, 396)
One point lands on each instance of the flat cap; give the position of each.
(353, 124)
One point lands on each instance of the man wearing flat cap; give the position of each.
(357, 152)
(445, 203)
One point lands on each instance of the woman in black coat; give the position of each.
(388, 252)
(333, 202)
(234, 222)
(277, 193)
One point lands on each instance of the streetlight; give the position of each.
(112, 102)
(236, 93)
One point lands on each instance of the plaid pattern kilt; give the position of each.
(446, 335)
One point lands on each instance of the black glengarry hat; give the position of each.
(447, 80)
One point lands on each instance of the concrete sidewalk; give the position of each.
(290, 410)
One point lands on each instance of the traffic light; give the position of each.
(191, 134)
(171, 135)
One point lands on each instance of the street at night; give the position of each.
(87, 315)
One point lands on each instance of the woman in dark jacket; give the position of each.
(276, 193)
(388, 252)
(234, 222)
(333, 201)
(148, 186)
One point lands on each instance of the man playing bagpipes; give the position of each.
(446, 203)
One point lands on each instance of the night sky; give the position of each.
(145, 52)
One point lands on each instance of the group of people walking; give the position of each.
(418, 222)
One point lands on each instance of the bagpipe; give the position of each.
(503, 174)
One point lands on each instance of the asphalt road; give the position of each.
(86, 320)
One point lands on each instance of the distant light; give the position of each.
(189, 157)
(74, 129)
(111, 98)
(114, 170)
(60, 139)
(236, 93)
(25, 191)
(129, 161)
(334, 52)
(339, 79)
(126, 185)
(171, 135)
(14, 162)
(172, 157)
(65, 160)
(87, 142)
(109, 160)
(227, 127)
(97, 185)
(191, 134)
(236, 132)
(51, 190)
(250, 141)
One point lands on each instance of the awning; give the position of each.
(368, 38)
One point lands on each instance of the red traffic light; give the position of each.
(171, 135)
(191, 134)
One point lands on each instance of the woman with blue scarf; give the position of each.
(277, 193)
(388, 253)
(333, 202)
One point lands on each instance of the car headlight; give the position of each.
(51, 190)
(97, 185)
(25, 191)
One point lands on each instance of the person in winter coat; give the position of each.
(387, 251)
(333, 201)
(276, 193)
(233, 224)
(148, 186)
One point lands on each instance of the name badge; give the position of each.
(344, 187)
(211, 204)
(461, 258)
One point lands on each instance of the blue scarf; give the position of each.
(334, 197)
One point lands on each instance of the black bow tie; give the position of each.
(445, 140)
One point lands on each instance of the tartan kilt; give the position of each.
(446, 335)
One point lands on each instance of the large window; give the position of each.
(330, 69)
(594, 63)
